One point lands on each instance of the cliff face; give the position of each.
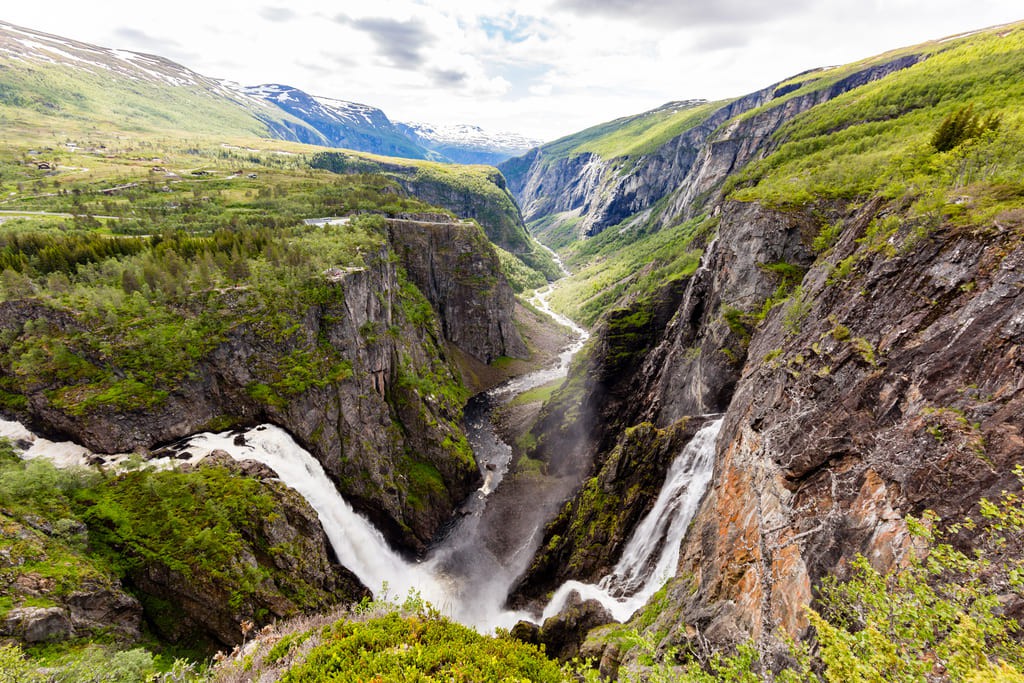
(894, 389)
(689, 169)
(889, 382)
(459, 273)
(386, 426)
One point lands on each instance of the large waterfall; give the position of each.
(652, 553)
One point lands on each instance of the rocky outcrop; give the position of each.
(457, 270)
(56, 591)
(690, 168)
(563, 634)
(288, 549)
(37, 624)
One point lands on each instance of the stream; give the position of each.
(469, 571)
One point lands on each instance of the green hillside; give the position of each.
(633, 136)
(876, 140)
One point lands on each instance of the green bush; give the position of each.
(962, 125)
(423, 648)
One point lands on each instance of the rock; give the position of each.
(37, 624)
(106, 610)
(526, 632)
(246, 468)
(563, 634)
(459, 273)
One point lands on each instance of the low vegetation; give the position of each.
(925, 133)
(633, 259)
(938, 618)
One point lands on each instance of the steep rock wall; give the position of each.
(899, 388)
(689, 168)
(889, 382)
(459, 273)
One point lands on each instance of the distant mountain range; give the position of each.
(56, 76)
(368, 129)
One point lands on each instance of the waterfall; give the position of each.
(652, 553)
(473, 597)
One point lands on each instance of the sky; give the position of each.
(541, 68)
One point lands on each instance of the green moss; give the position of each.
(426, 487)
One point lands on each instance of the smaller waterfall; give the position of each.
(651, 555)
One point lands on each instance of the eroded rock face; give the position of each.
(84, 600)
(459, 273)
(900, 389)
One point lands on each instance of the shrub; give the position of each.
(961, 126)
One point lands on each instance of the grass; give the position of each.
(633, 136)
(618, 261)
(537, 394)
(876, 139)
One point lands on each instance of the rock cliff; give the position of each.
(386, 422)
(887, 382)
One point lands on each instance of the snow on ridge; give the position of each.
(469, 135)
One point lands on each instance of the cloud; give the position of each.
(449, 78)
(686, 12)
(165, 47)
(277, 14)
(401, 42)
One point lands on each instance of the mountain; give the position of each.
(342, 124)
(367, 129)
(45, 77)
(465, 144)
(58, 77)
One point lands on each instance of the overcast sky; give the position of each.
(544, 68)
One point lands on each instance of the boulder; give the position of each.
(37, 624)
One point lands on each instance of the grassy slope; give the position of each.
(53, 96)
(876, 139)
(633, 136)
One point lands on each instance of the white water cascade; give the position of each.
(651, 555)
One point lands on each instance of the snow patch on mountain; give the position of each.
(466, 135)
